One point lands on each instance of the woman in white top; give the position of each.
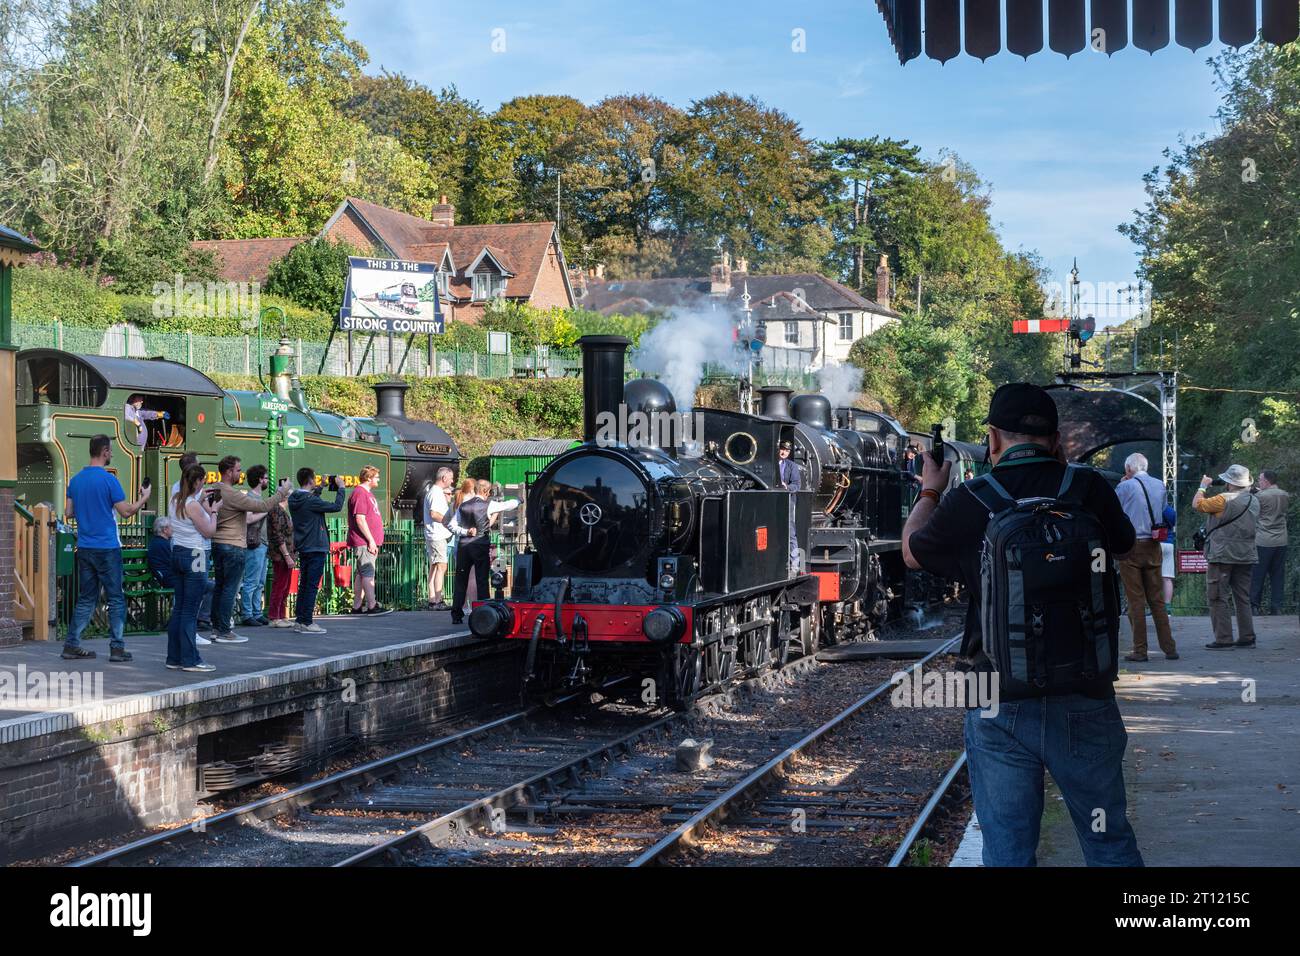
(194, 519)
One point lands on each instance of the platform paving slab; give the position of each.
(1213, 777)
(271, 656)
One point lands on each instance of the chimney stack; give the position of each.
(444, 214)
(882, 281)
(390, 399)
(602, 378)
(775, 401)
(720, 276)
(742, 264)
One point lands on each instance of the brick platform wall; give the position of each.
(11, 632)
(65, 789)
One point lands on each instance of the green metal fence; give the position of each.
(238, 355)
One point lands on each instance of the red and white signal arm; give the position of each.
(1192, 562)
(1040, 325)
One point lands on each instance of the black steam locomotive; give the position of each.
(685, 559)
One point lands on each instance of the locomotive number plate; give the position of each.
(760, 538)
(431, 448)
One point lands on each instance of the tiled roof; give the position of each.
(821, 293)
(520, 247)
(247, 260)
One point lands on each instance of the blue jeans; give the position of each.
(1081, 743)
(205, 609)
(229, 562)
(311, 566)
(99, 568)
(250, 592)
(190, 574)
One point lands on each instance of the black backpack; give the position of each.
(1049, 590)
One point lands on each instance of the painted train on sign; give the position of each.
(64, 399)
(689, 562)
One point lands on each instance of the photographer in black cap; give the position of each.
(1078, 735)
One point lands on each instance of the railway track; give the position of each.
(539, 786)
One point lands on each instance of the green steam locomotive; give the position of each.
(64, 399)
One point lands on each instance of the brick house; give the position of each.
(520, 261)
(804, 312)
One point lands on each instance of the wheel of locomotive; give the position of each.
(830, 629)
(685, 671)
(810, 631)
(782, 639)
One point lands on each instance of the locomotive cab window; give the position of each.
(59, 380)
(161, 432)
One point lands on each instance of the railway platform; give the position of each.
(91, 748)
(1213, 760)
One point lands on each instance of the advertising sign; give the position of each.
(390, 295)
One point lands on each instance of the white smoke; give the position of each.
(676, 350)
(842, 384)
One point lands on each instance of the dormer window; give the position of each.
(488, 286)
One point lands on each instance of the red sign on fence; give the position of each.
(1192, 562)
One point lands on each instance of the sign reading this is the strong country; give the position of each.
(390, 295)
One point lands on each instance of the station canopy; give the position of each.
(1092, 421)
(1069, 28)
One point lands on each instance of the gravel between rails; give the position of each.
(608, 820)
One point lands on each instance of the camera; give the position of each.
(332, 482)
(147, 483)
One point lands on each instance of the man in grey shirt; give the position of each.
(1143, 500)
(1270, 543)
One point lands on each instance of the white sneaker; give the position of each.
(229, 639)
(201, 641)
(284, 622)
(308, 628)
(200, 668)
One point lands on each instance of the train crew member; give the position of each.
(230, 545)
(254, 580)
(1079, 737)
(189, 460)
(311, 539)
(194, 517)
(1270, 543)
(1143, 497)
(279, 531)
(96, 500)
(365, 538)
(437, 535)
(472, 520)
(137, 415)
(1229, 554)
(159, 555)
(791, 481)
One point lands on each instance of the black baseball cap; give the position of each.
(1023, 408)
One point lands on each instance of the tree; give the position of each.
(435, 127)
(613, 161)
(867, 169)
(748, 178)
(312, 274)
(1221, 251)
(515, 156)
(290, 157)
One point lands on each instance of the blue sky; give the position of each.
(1062, 143)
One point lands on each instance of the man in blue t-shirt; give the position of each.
(95, 500)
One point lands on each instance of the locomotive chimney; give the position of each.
(602, 378)
(390, 399)
(775, 401)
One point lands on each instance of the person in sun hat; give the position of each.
(1229, 554)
